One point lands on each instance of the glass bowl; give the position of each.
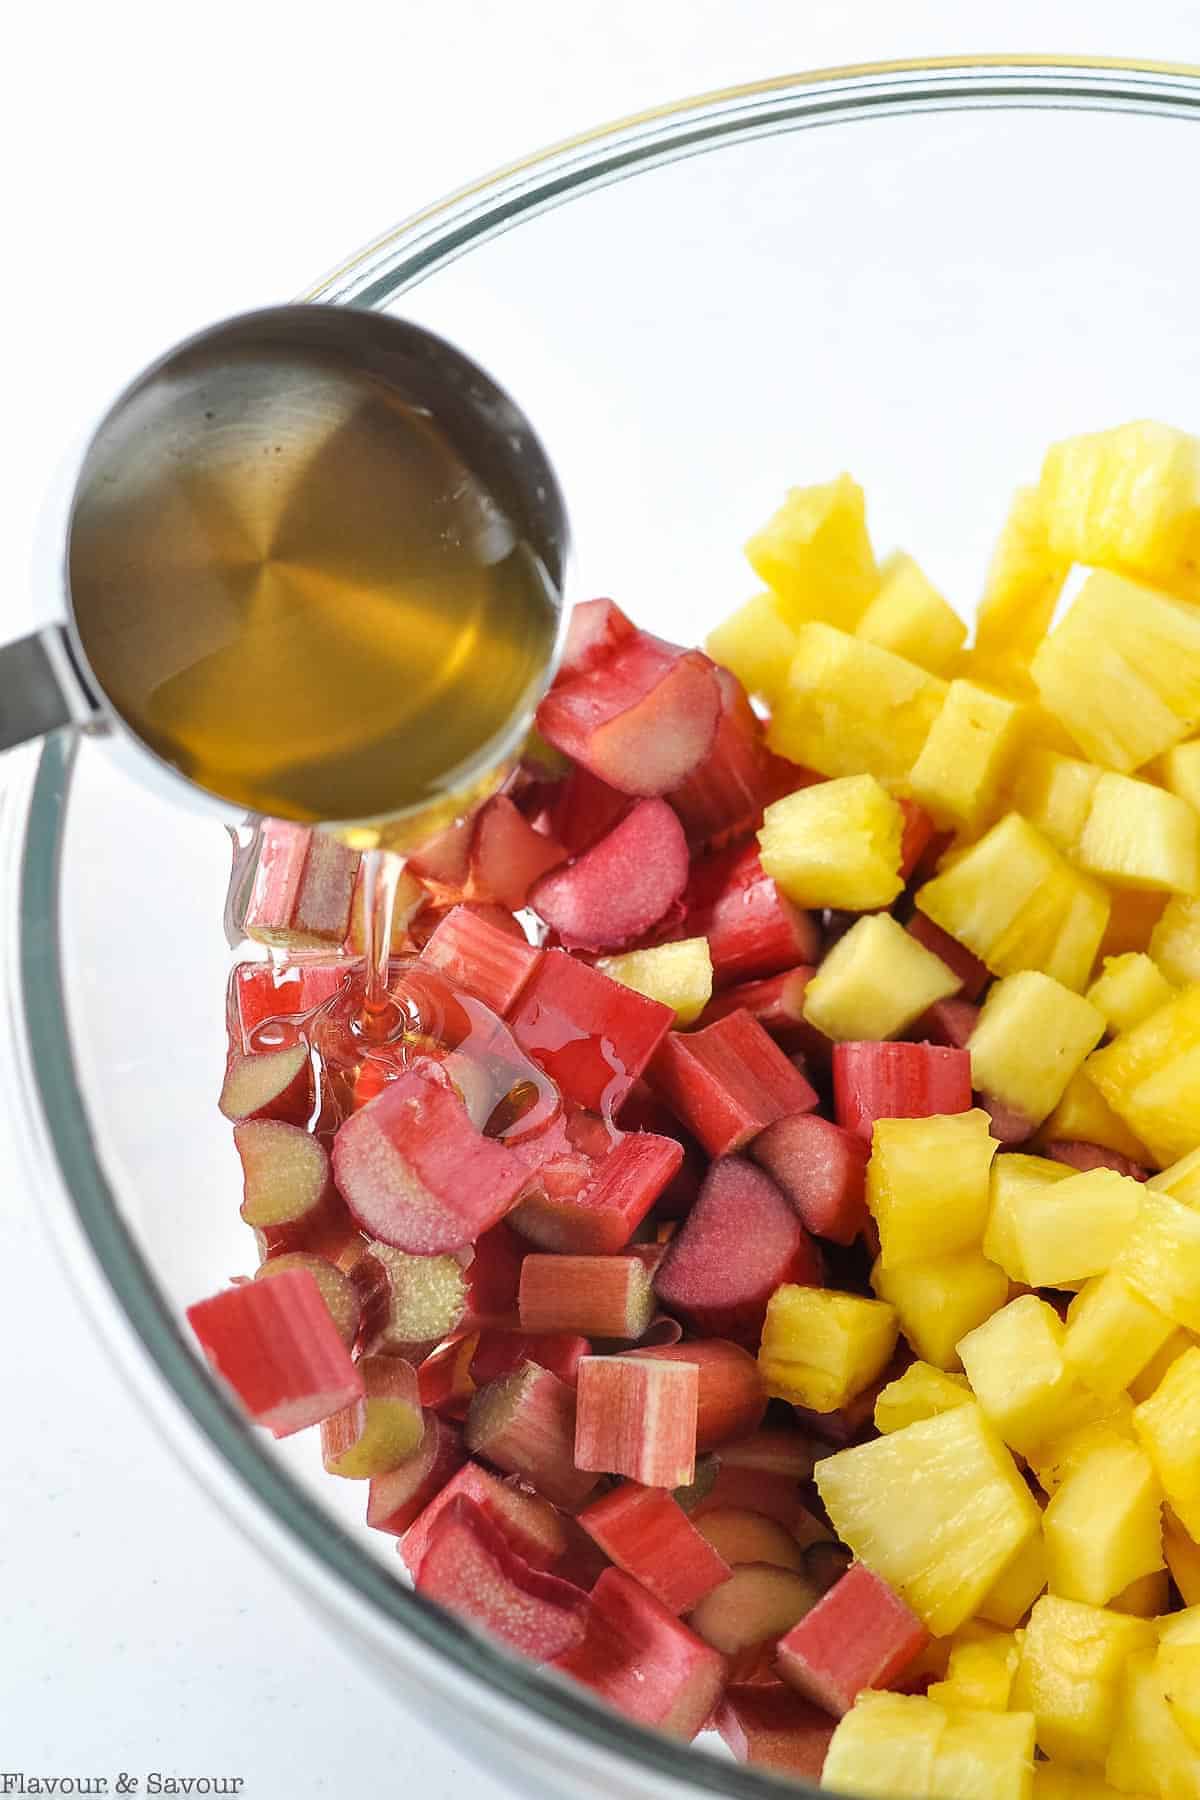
(697, 308)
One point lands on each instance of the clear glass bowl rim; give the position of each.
(113, 1277)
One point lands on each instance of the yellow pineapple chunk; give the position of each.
(1017, 1587)
(1148, 1753)
(1147, 1598)
(1175, 941)
(680, 975)
(1054, 792)
(980, 1673)
(1181, 1180)
(1180, 771)
(1018, 904)
(815, 555)
(1103, 1526)
(1084, 1116)
(1151, 1077)
(1074, 1229)
(911, 619)
(820, 1348)
(1023, 584)
(902, 1744)
(1183, 1559)
(1014, 1362)
(1138, 835)
(1092, 1422)
(848, 707)
(1054, 1781)
(1122, 671)
(1112, 1333)
(1161, 1258)
(1122, 499)
(836, 844)
(937, 1509)
(1030, 1038)
(1012, 1175)
(928, 1184)
(920, 1393)
(1072, 1657)
(971, 744)
(939, 1301)
(757, 644)
(1168, 1425)
(1145, 1384)
(1128, 989)
(1133, 914)
(875, 982)
(1178, 1670)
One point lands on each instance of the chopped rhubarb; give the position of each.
(599, 1296)
(603, 1215)
(507, 855)
(302, 889)
(622, 887)
(417, 1174)
(948, 1022)
(263, 995)
(772, 1727)
(637, 1417)
(777, 1450)
(825, 1563)
(410, 897)
(444, 1380)
(1007, 1124)
(647, 1533)
(729, 1081)
(375, 1434)
(777, 1002)
(822, 1169)
(642, 718)
(741, 1241)
(336, 1287)
(469, 1568)
(776, 1497)
(919, 832)
(525, 1424)
(1081, 1156)
(591, 1035)
(897, 1081)
(860, 1635)
(287, 1192)
(277, 1347)
(752, 930)
(503, 1352)
(425, 1301)
(595, 630)
(730, 1398)
(272, 1084)
(741, 1536)
(396, 1500)
(583, 810)
(973, 974)
(757, 1605)
(640, 1659)
(490, 963)
(530, 1524)
(493, 1277)
(444, 861)
(725, 795)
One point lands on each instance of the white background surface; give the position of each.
(162, 166)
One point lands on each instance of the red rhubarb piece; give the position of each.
(271, 1084)
(444, 860)
(262, 994)
(493, 1277)
(741, 1241)
(777, 1002)
(599, 1296)
(730, 1399)
(503, 1352)
(276, 1345)
(948, 1022)
(637, 1417)
(776, 1450)
(396, 1500)
(741, 1536)
(605, 1212)
(973, 974)
(470, 1569)
(725, 796)
(337, 1289)
(490, 963)
(375, 1434)
(642, 718)
(640, 1659)
(508, 856)
(647, 1533)
(591, 1035)
(772, 1727)
(860, 1635)
(287, 1190)
(595, 630)
(919, 832)
(416, 1173)
(424, 1300)
(302, 890)
(757, 1605)
(752, 929)
(897, 1081)
(822, 1169)
(729, 1081)
(444, 1380)
(1007, 1124)
(619, 889)
(584, 809)
(776, 1497)
(525, 1424)
(1078, 1155)
(530, 1524)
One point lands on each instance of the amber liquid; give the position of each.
(323, 617)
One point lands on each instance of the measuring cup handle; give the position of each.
(41, 688)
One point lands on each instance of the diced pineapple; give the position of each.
(680, 975)
(1112, 1333)
(1145, 1384)
(1093, 1423)
(1014, 1362)
(849, 706)
(928, 1184)
(1181, 1627)
(1122, 671)
(1178, 1670)
(1054, 1781)
(1018, 904)
(1103, 1526)
(1023, 584)
(1084, 1116)
(920, 1393)
(1175, 941)
(815, 555)
(1072, 1230)
(1151, 1077)
(1138, 835)
(875, 982)
(1133, 914)
(903, 1744)
(938, 1302)
(1183, 1559)
(938, 1509)
(1148, 1753)
(1147, 1598)
(966, 757)
(1128, 989)
(1031, 1037)
(1072, 1656)
(757, 644)
(1168, 1424)
(911, 619)
(836, 844)
(1181, 1179)
(1161, 1258)
(820, 1348)
(1180, 771)
(980, 1673)
(1054, 792)
(1017, 1587)
(1122, 499)
(1012, 1174)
